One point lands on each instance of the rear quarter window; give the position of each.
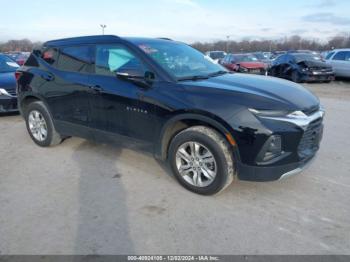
(76, 59)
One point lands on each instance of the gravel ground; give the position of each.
(85, 198)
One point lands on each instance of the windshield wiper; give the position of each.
(200, 77)
(193, 78)
(218, 73)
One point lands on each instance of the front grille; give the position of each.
(321, 70)
(259, 71)
(310, 140)
(12, 92)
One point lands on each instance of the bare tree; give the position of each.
(294, 42)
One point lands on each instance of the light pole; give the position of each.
(227, 39)
(103, 29)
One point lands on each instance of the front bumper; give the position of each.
(301, 139)
(272, 173)
(320, 77)
(8, 104)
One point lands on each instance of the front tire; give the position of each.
(202, 160)
(40, 125)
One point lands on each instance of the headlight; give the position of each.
(275, 113)
(3, 92)
(278, 113)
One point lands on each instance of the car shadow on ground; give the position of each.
(4, 114)
(103, 213)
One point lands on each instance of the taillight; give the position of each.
(17, 75)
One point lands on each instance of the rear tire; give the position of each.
(40, 125)
(202, 160)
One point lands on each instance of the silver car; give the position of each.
(340, 61)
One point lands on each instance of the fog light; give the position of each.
(272, 148)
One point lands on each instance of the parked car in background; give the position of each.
(262, 57)
(210, 125)
(8, 98)
(18, 57)
(244, 63)
(216, 55)
(339, 59)
(276, 54)
(301, 67)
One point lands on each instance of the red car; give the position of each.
(244, 63)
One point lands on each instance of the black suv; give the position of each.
(164, 96)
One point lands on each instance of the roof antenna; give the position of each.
(103, 28)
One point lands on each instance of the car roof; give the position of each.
(100, 39)
(340, 49)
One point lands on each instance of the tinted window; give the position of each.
(111, 58)
(75, 59)
(347, 57)
(340, 56)
(50, 55)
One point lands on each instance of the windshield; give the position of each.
(306, 57)
(7, 64)
(260, 56)
(180, 60)
(245, 58)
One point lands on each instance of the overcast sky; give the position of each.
(185, 20)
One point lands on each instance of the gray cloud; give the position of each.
(326, 17)
(322, 4)
(299, 31)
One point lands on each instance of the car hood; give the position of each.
(259, 92)
(8, 80)
(315, 64)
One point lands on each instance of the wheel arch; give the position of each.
(25, 100)
(184, 120)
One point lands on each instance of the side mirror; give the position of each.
(138, 77)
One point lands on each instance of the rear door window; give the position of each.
(50, 55)
(76, 59)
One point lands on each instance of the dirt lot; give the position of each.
(84, 198)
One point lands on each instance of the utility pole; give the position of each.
(103, 28)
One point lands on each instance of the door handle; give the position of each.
(96, 89)
(47, 77)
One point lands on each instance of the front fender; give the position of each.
(173, 125)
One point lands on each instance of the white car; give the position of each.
(340, 61)
(216, 56)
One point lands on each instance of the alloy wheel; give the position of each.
(37, 125)
(196, 164)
